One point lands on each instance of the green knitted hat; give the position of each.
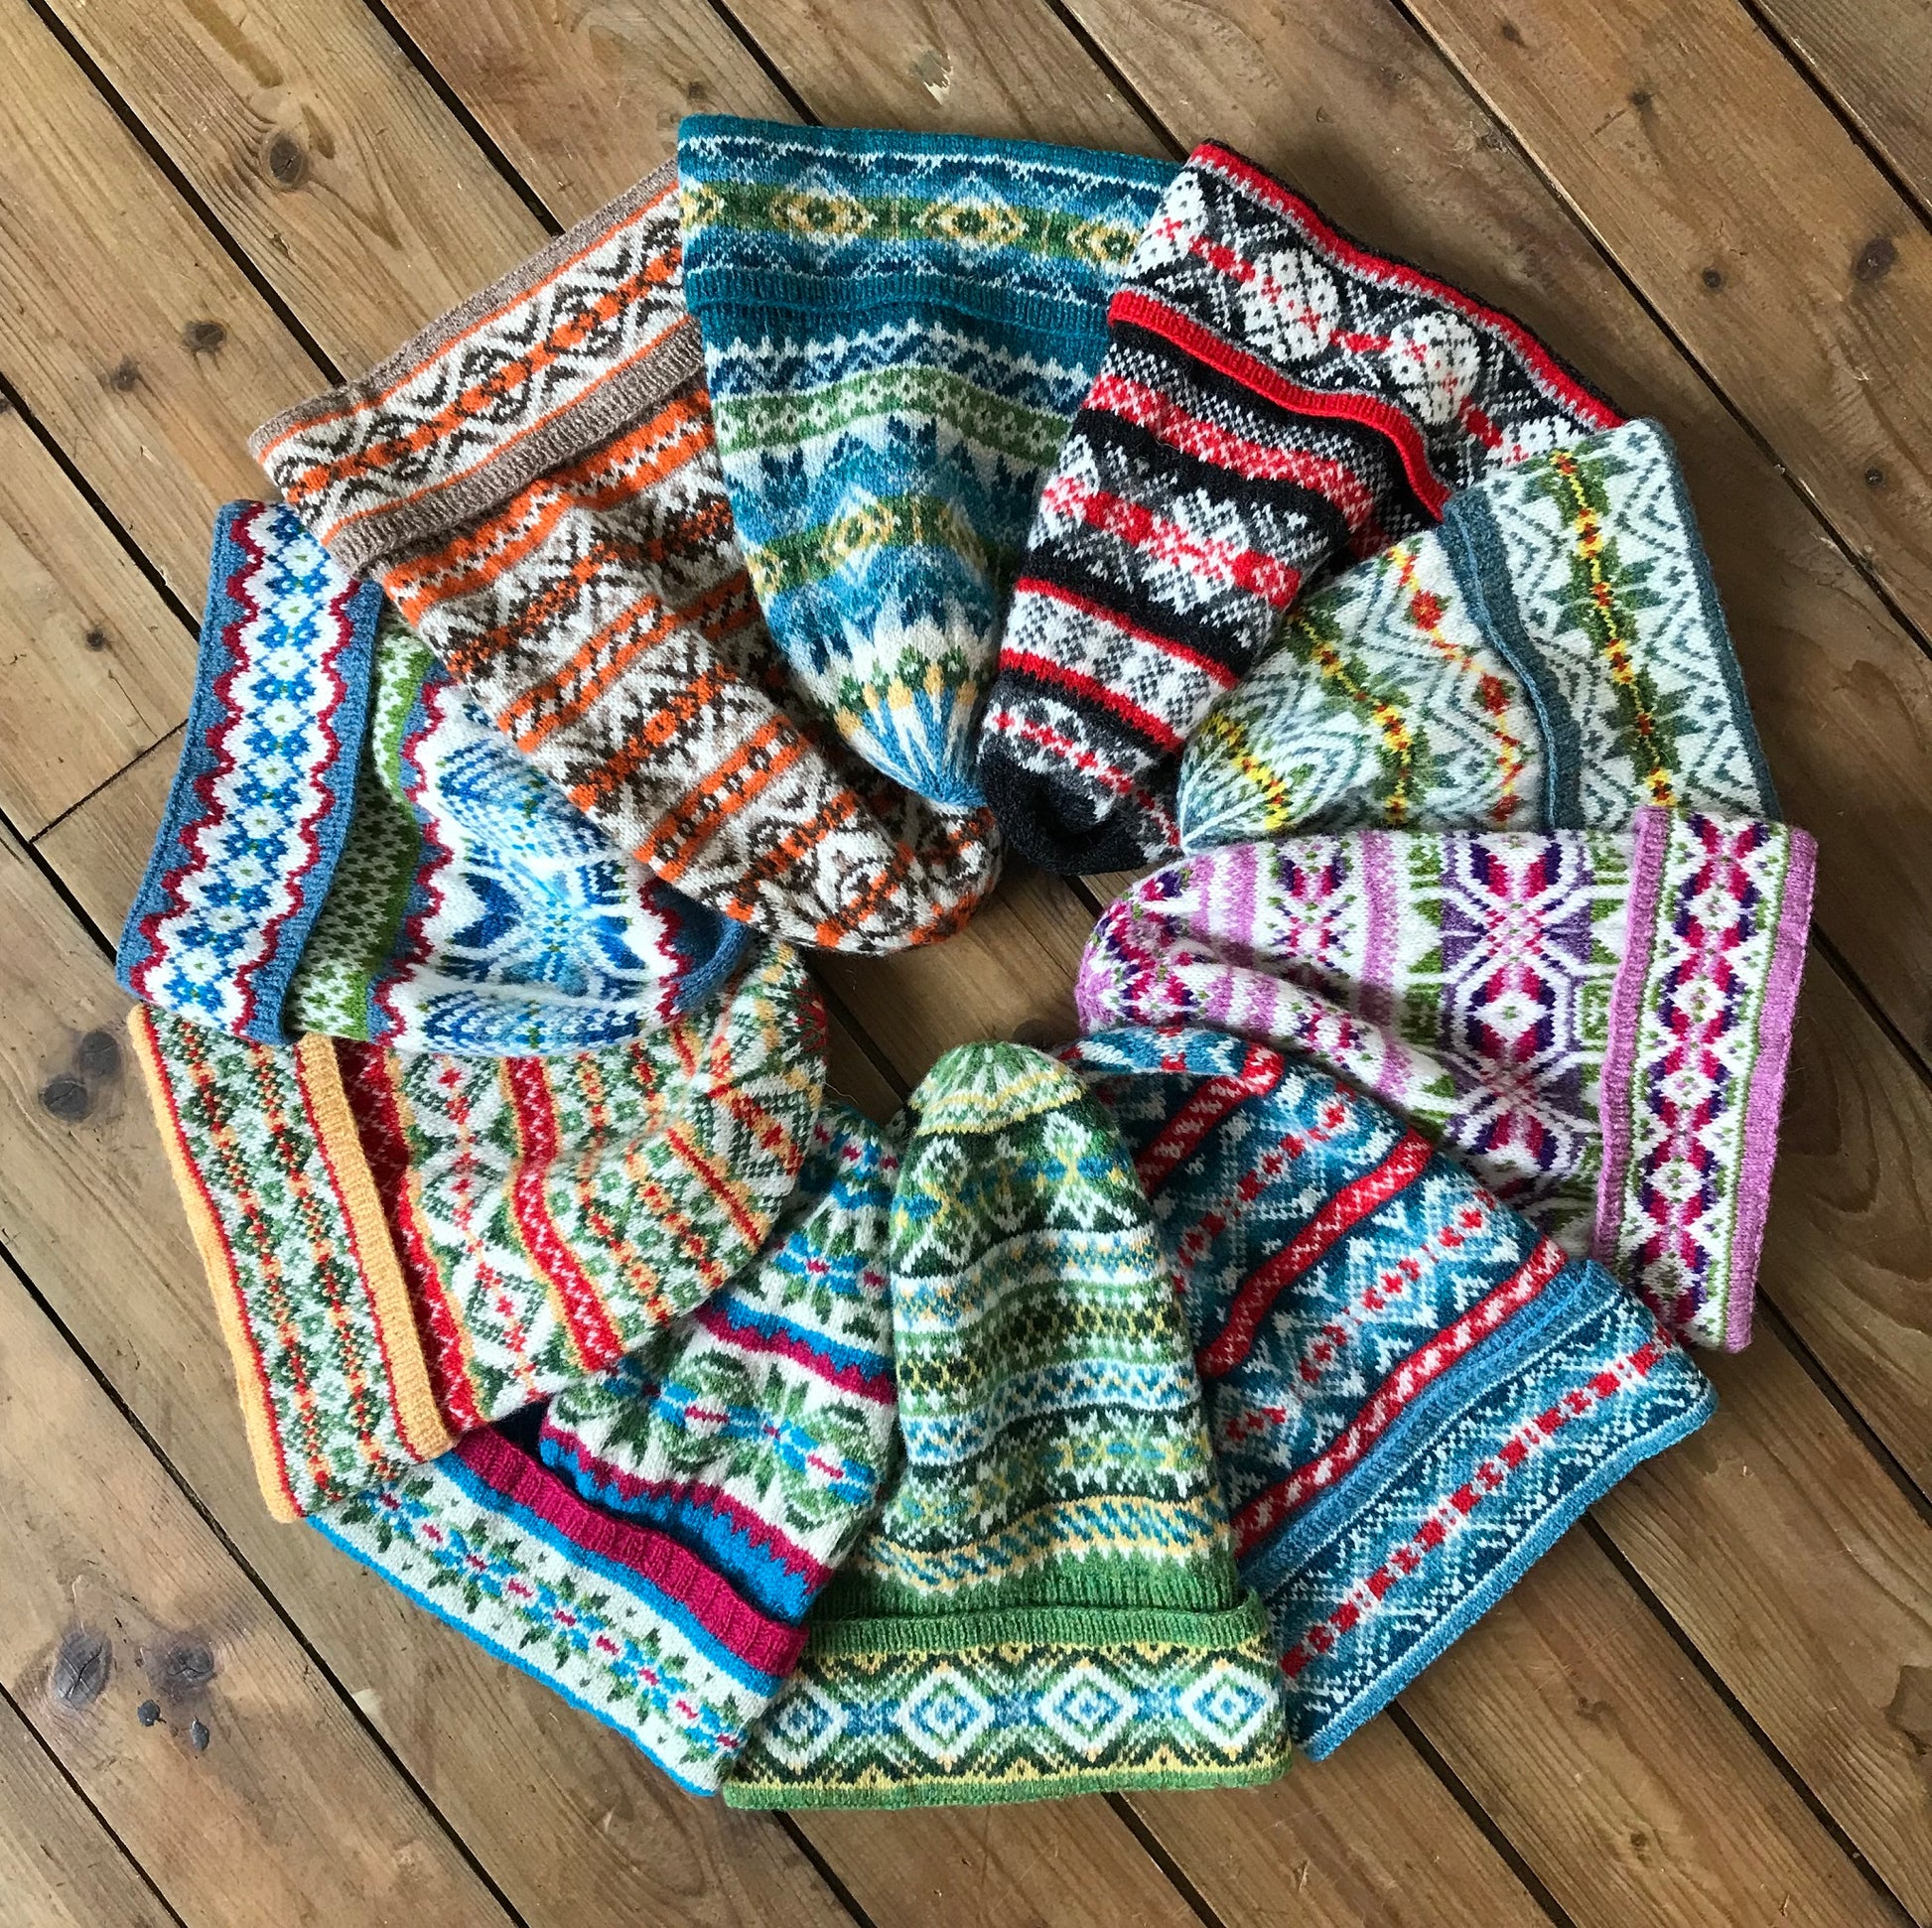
(1047, 1603)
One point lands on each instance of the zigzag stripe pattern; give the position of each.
(259, 811)
(534, 481)
(897, 329)
(1046, 1603)
(758, 1430)
(1553, 657)
(552, 1214)
(1431, 1391)
(1273, 396)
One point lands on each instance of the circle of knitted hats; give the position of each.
(1552, 656)
(534, 481)
(405, 1245)
(898, 329)
(1411, 1392)
(760, 1428)
(1595, 1022)
(1274, 398)
(348, 846)
(656, 1563)
(1047, 1603)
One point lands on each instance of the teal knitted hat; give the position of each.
(897, 329)
(1047, 1603)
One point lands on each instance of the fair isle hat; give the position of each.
(617, 1618)
(1595, 1022)
(1047, 1603)
(1411, 1391)
(759, 1429)
(1552, 657)
(1274, 399)
(898, 328)
(349, 848)
(534, 481)
(404, 1246)
(649, 1546)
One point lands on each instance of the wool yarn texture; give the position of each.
(1274, 399)
(898, 329)
(534, 481)
(1552, 656)
(1411, 1391)
(761, 1427)
(1047, 1603)
(1597, 1024)
(404, 1246)
(349, 847)
(649, 1544)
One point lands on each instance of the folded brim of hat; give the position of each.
(349, 848)
(1597, 1024)
(534, 481)
(616, 1616)
(404, 1246)
(974, 1707)
(1552, 657)
(898, 329)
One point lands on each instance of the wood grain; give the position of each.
(248, 1787)
(58, 1866)
(1786, 263)
(1874, 57)
(94, 666)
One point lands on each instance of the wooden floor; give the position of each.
(1712, 1702)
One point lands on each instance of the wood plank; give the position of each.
(317, 145)
(1785, 261)
(93, 664)
(140, 348)
(58, 1866)
(563, 1814)
(1346, 102)
(527, 72)
(1805, 1576)
(116, 1596)
(1591, 1751)
(1875, 57)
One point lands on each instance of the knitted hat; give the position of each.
(1595, 1022)
(655, 1566)
(403, 1246)
(759, 1429)
(1411, 1392)
(533, 479)
(1047, 1603)
(1552, 656)
(349, 848)
(619, 1618)
(898, 329)
(1273, 397)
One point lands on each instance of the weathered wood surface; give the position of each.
(1623, 1737)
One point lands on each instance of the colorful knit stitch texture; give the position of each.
(403, 1246)
(259, 811)
(1411, 1391)
(760, 1428)
(1274, 397)
(898, 329)
(617, 1618)
(1047, 1603)
(476, 909)
(535, 483)
(1552, 657)
(1597, 1024)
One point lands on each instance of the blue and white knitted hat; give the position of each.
(1411, 1391)
(897, 329)
(349, 847)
